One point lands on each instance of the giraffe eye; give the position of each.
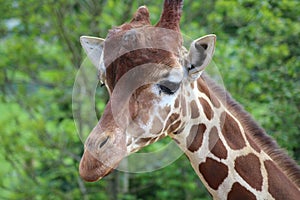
(103, 142)
(168, 87)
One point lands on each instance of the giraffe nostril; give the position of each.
(104, 142)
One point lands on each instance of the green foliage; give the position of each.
(257, 54)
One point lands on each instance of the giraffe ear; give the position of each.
(93, 47)
(200, 55)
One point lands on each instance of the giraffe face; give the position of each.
(146, 71)
(147, 88)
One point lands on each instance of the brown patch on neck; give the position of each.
(206, 108)
(203, 87)
(213, 172)
(238, 192)
(279, 185)
(194, 139)
(215, 144)
(249, 168)
(194, 109)
(232, 133)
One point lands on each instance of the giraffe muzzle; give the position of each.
(103, 153)
(91, 169)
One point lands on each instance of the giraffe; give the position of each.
(170, 94)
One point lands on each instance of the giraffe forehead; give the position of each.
(132, 47)
(146, 36)
(158, 45)
(144, 66)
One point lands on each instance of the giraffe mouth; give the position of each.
(102, 154)
(91, 169)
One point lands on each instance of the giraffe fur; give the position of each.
(229, 151)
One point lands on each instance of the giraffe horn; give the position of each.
(171, 14)
(141, 16)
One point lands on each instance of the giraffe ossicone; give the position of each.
(158, 88)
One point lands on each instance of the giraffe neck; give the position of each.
(226, 155)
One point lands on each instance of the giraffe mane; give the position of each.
(257, 133)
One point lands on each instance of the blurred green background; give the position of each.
(257, 54)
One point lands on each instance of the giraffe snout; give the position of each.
(103, 153)
(91, 169)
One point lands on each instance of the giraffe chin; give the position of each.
(91, 169)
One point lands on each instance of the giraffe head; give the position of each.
(148, 73)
